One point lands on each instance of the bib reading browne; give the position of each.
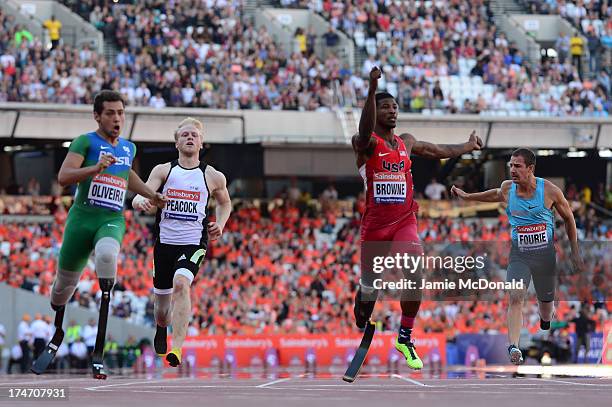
(389, 187)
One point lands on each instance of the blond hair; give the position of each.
(190, 121)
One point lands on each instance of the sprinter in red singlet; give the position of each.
(383, 159)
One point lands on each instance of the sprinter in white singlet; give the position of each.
(182, 231)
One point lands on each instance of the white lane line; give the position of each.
(95, 388)
(402, 386)
(415, 390)
(568, 382)
(261, 386)
(409, 380)
(198, 386)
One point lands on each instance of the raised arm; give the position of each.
(439, 151)
(492, 195)
(361, 141)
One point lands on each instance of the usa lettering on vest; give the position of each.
(395, 167)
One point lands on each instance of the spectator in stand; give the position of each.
(21, 35)
(73, 332)
(62, 358)
(300, 39)
(79, 354)
(594, 47)
(24, 336)
(40, 334)
(576, 50)
(15, 358)
(90, 331)
(562, 45)
(435, 191)
(33, 187)
(54, 28)
(584, 327)
(332, 39)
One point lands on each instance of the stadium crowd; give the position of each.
(281, 268)
(445, 58)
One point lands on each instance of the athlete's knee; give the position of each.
(107, 252)
(181, 284)
(516, 297)
(64, 286)
(182, 280)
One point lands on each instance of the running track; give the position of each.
(299, 390)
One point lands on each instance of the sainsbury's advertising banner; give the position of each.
(297, 350)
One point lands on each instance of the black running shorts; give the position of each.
(170, 259)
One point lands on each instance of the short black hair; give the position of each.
(383, 95)
(528, 156)
(106, 96)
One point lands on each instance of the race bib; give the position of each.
(389, 187)
(107, 191)
(532, 236)
(182, 205)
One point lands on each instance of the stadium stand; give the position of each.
(440, 59)
(283, 268)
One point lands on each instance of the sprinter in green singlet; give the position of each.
(101, 163)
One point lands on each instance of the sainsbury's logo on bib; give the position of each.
(111, 180)
(531, 228)
(107, 191)
(390, 176)
(182, 194)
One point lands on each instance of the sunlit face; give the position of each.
(386, 113)
(189, 140)
(518, 170)
(112, 119)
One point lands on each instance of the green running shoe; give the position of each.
(409, 352)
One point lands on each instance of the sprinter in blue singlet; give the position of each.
(530, 202)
